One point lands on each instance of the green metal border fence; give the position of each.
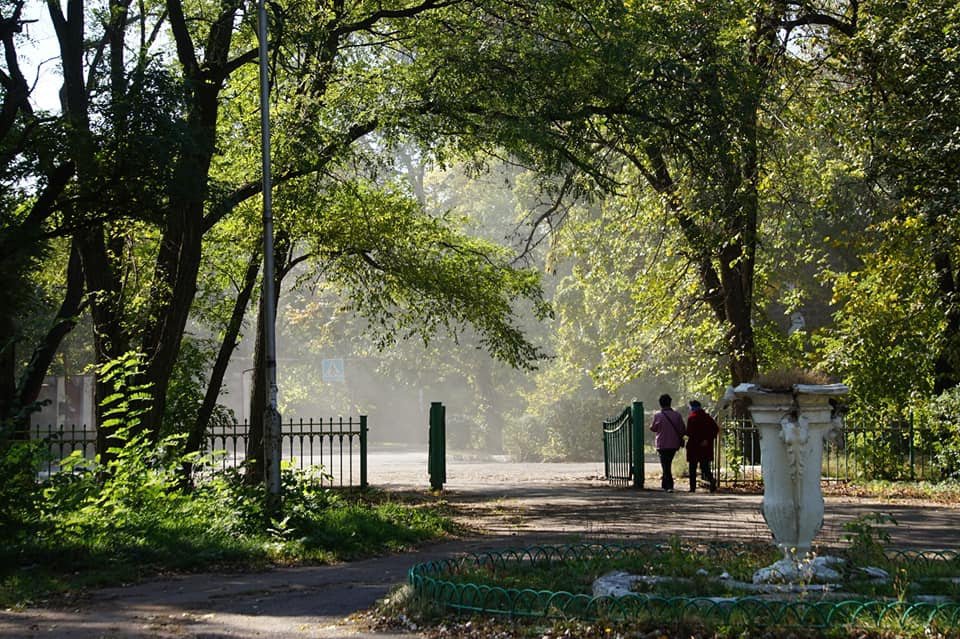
(337, 444)
(431, 581)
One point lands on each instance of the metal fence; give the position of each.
(623, 447)
(884, 449)
(468, 585)
(337, 445)
(618, 449)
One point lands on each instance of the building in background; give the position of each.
(66, 401)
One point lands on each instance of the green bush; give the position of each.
(129, 514)
(941, 415)
(93, 526)
(20, 494)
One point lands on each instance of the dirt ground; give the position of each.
(513, 505)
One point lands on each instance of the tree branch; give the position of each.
(16, 92)
(529, 244)
(386, 14)
(181, 35)
(252, 189)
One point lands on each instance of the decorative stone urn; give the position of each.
(792, 427)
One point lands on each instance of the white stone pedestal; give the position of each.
(792, 426)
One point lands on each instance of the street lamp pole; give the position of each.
(271, 417)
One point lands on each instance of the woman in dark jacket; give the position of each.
(701, 431)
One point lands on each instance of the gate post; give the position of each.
(363, 452)
(437, 448)
(636, 435)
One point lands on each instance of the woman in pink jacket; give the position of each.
(669, 427)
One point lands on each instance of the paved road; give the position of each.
(516, 504)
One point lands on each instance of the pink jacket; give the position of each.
(669, 427)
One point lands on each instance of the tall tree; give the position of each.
(681, 96)
(907, 55)
(32, 176)
(149, 164)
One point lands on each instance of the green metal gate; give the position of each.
(623, 447)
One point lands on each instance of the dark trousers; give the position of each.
(666, 464)
(705, 471)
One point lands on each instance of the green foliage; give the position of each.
(188, 384)
(910, 51)
(939, 419)
(853, 189)
(407, 273)
(880, 344)
(128, 506)
(777, 350)
(123, 409)
(20, 494)
(867, 540)
(125, 515)
(664, 110)
(565, 429)
(137, 522)
(526, 438)
(895, 325)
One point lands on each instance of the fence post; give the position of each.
(443, 444)
(436, 449)
(363, 452)
(912, 469)
(606, 453)
(636, 435)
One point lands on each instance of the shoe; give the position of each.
(669, 490)
(693, 490)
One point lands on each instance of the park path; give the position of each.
(514, 505)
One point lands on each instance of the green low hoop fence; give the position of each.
(436, 582)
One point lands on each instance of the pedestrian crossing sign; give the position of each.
(332, 370)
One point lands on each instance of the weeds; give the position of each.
(128, 515)
(866, 537)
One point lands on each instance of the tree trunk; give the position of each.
(197, 435)
(726, 279)
(32, 380)
(947, 366)
(256, 447)
(8, 387)
(110, 340)
(178, 260)
(178, 266)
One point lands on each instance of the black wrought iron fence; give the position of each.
(883, 449)
(337, 444)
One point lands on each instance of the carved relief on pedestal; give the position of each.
(792, 427)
